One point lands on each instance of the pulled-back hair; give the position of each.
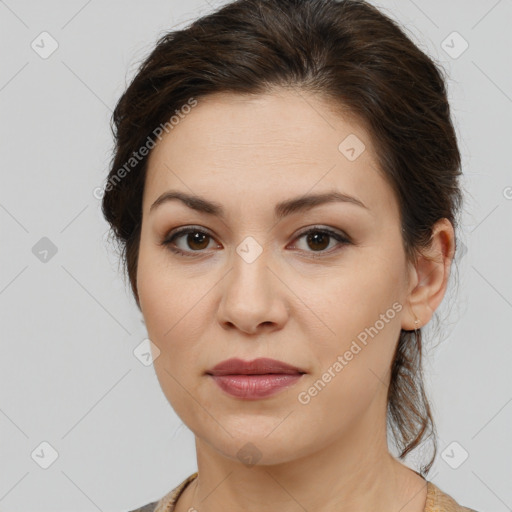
(347, 52)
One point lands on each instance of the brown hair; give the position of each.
(346, 51)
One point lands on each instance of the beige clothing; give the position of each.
(437, 500)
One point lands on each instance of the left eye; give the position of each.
(198, 240)
(319, 239)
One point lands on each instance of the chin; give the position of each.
(257, 447)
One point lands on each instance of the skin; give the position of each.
(248, 153)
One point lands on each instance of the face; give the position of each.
(248, 281)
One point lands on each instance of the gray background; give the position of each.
(69, 327)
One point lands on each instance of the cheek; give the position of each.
(160, 291)
(172, 309)
(171, 320)
(354, 296)
(360, 313)
(352, 368)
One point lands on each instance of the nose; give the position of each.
(254, 298)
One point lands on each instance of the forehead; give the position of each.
(281, 143)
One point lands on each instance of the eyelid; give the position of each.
(341, 238)
(169, 238)
(326, 229)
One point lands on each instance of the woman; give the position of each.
(285, 191)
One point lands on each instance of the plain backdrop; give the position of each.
(84, 425)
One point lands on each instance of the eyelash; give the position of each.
(170, 238)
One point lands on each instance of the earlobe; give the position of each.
(430, 276)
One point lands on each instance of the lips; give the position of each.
(254, 380)
(260, 366)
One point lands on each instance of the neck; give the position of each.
(354, 474)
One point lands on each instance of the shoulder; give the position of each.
(150, 507)
(166, 504)
(439, 501)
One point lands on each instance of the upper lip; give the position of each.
(260, 366)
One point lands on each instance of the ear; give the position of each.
(428, 278)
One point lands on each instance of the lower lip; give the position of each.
(253, 387)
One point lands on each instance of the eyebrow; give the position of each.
(282, 209)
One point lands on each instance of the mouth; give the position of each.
(254, 380)
(261, 366)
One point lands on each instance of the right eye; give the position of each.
(196, 240)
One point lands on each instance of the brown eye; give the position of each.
(318, 240)
(194, 240)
